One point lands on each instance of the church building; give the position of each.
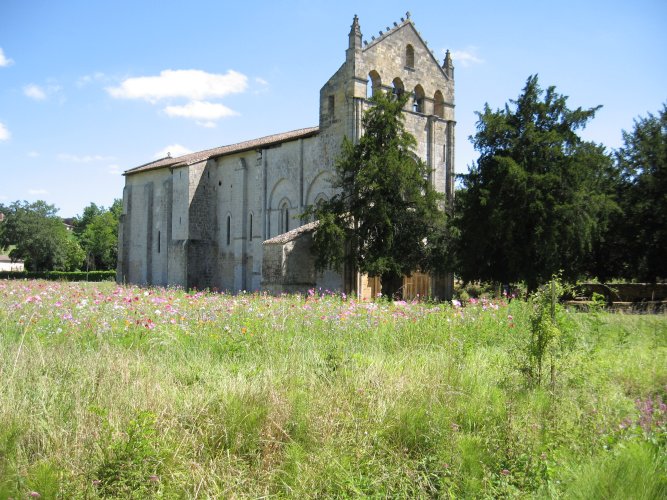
(227, 218)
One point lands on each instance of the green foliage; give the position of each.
(215, 396)
(39, 237)
(129, 464)
(60, 275)
(634, 470)
(97, 230)
(635, 246)
(538, 197)
(547, 341)
(386, 219)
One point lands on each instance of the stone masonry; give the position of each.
(200, 220)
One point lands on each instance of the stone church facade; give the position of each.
(228, 217)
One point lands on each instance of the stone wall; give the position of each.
(201, 223)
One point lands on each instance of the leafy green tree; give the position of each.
(98, 235)
(89, 214)
(386, 217)
(39, 237)
(538, 197)
(643, 197)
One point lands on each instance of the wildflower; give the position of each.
(96, 482)
(34, 494)
(456, 303)
(505, 472)
(153, 478)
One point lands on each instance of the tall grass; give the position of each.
(124, 392)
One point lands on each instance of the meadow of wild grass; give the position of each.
(126, 392)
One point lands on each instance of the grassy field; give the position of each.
(137, 393)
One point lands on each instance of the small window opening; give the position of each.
(410, 56)
(397, 87)
(375, 84)
(158, 242)
(229, 230)
(418, 99)
(250, 227)
(332, 104)
(284, 217)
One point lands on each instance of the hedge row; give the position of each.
(59, 275)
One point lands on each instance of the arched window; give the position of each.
(250, 226)
(439, 104)
(409, 56)
(375, 84)
(397, 87)
(229, 230)
(321, 198)
(418, 100)
(284, 217)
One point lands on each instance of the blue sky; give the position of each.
(89, 89)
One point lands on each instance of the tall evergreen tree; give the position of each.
(643, 230)
(386, 218)
(538, 197)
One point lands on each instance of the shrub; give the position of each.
(59, 275)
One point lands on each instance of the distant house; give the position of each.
(6, 264)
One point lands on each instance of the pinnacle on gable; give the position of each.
(355, 33)
(388, 29)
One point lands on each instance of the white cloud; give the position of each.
(4, 60)
(200, 110)
(83, 159)
(467, 57)
(174, 150)
(37, 191)
(40, 93)
(34, 92)
(207, 124)
(261, 81)
(33, 154)
(115, 169)
(4, 132)
(87, 79)
(192, 84)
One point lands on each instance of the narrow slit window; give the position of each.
(229, 230)
(410, 56)
(250, 227)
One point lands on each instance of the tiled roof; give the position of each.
(193, 158)
(292, 235)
